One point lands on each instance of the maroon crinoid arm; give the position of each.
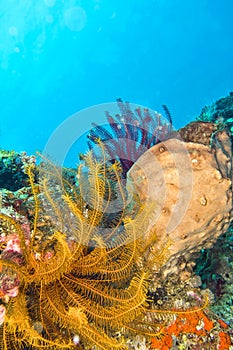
(127, 135)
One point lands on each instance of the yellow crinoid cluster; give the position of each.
(81, 282)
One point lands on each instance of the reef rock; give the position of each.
(221, 111)
(191, 184)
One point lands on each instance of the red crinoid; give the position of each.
(130, 133)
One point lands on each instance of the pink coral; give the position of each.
(13, 243)
(2, 314)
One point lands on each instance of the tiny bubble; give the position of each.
(13, 31)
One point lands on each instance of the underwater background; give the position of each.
(58, 57)
(134, 248)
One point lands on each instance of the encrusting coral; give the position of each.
(199, 326)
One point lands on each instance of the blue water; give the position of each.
(59, 57)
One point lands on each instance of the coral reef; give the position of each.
(200, 326)
(12, 176)
(219, 112)
(198, 132)
(215, 268)
(86, 263)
